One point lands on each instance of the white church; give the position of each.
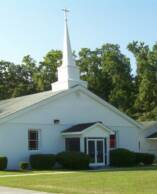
(68, 117)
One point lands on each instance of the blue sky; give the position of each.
(36, 26)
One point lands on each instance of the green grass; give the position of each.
(112, 181)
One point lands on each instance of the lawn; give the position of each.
(115, 181)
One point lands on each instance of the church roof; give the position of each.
(152, 136)
(79, 127)
(10, 106)
(13, 105)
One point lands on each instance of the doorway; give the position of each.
(96, 151)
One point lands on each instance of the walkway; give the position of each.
(7, 190)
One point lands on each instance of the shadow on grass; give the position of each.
(94, 170)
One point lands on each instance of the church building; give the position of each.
(68, 117)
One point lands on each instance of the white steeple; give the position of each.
(68, 72)
(67, 53)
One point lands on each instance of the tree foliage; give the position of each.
(108, 74)
(146, 80)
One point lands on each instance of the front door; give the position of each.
(96, 152)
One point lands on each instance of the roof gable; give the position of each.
(14, 106)
(112, 108)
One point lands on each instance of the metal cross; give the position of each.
(65, 13)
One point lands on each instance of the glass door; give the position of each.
(91, 151)
(100, 151)
(95, 150)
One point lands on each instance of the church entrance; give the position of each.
(89, 138)
(96, 151)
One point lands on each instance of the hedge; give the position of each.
(122, 157)
(42, 161)
(73, 160)
(3, 162)
(144, 158)
(24, 165)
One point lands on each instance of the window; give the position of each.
(56, 121)
(72, 144)
(33, 139)
(112, 141)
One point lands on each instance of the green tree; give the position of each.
(48, 68)
(108, 74)
(5, 90)
(90, 64)
(146, 79)
(117, 67)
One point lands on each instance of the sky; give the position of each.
(36, 26)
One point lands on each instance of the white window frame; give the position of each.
(38, 140)
(95, 140)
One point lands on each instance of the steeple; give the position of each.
(68, 72)
(67, 53)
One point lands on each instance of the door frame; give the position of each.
(95, 147)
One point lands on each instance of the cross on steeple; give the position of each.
(65, 13)
(68, 72)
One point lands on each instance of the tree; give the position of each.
(146, 98)
(48, 68)
(108, 74)
(5, 90)
(117, 67)
(90, 66)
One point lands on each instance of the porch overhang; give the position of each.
(90, 138)
(79, 129)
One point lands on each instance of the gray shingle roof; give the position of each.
(153, 135)
(79, 127)
(10, 106)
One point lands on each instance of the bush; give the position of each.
(122, 157)
(42, 161)
(139, 158)
(149, 159)
(73, 160)
(144, 158)
(24, 165)
(3, 162)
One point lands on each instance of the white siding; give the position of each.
(71, 109)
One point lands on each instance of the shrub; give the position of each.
(122, 157)
(73, 160)
(24, 165)
(145, 158)
(42, 161)
(139, 158)
(3, 162)
(149, 159)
